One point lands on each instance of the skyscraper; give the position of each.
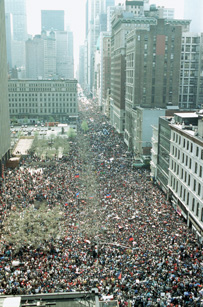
(18, 10)
(4, 111)
(194, 10)
(17, 17)
(41, 56)
(52, 20)
(70, 55)
(9, 38)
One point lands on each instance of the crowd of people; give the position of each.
(120, 233)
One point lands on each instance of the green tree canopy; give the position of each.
(84, 126)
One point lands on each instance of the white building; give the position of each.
(42, 99)
(186, 168)
(191, 88)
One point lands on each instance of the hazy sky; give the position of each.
(75, 15)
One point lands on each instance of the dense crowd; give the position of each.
(139, 250)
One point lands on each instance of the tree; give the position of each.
(84, 126)
(71, 133)
(32, 225)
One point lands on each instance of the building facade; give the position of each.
(41, 56)
(191, 87)
(186, 169)
(105, 70)
(81, 72)
(4, 112)
(152, 69)
(43, 99)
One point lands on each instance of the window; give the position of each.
(199, 189)
(200, 171)
(189, 180)
(194, 185)
(193, 204)
(188, 198)
(202, 215)
(197, 210)
(195, 167)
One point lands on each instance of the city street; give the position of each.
(116, 230)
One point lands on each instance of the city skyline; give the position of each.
(75, 12)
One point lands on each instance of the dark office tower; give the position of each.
(52, 20)
(4, 111)
(156, 57)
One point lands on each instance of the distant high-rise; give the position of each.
(41, 56)
(9, 38)
(52, 20)
(18, 10)
(194, 10)
(70, 55)
(81, 75)
(4, 110)
(16, 31)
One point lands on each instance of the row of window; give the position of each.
(41, 111)
(186, 177)
(186, 198)
(40, 94)
(187, 145)
(42, 105)
(36, 99)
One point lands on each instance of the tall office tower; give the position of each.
(35, 58)
(194, 10)
(122, 23)
(18, 10)
(62, 54)
(9, 38)
(41, 56)
(110, 12)
(105, 69)
(52, 20)
(81, 73)
(104, 4)
(191, 71)
(4, 108)
(152, 70)
(96, 14)
(70, 55)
